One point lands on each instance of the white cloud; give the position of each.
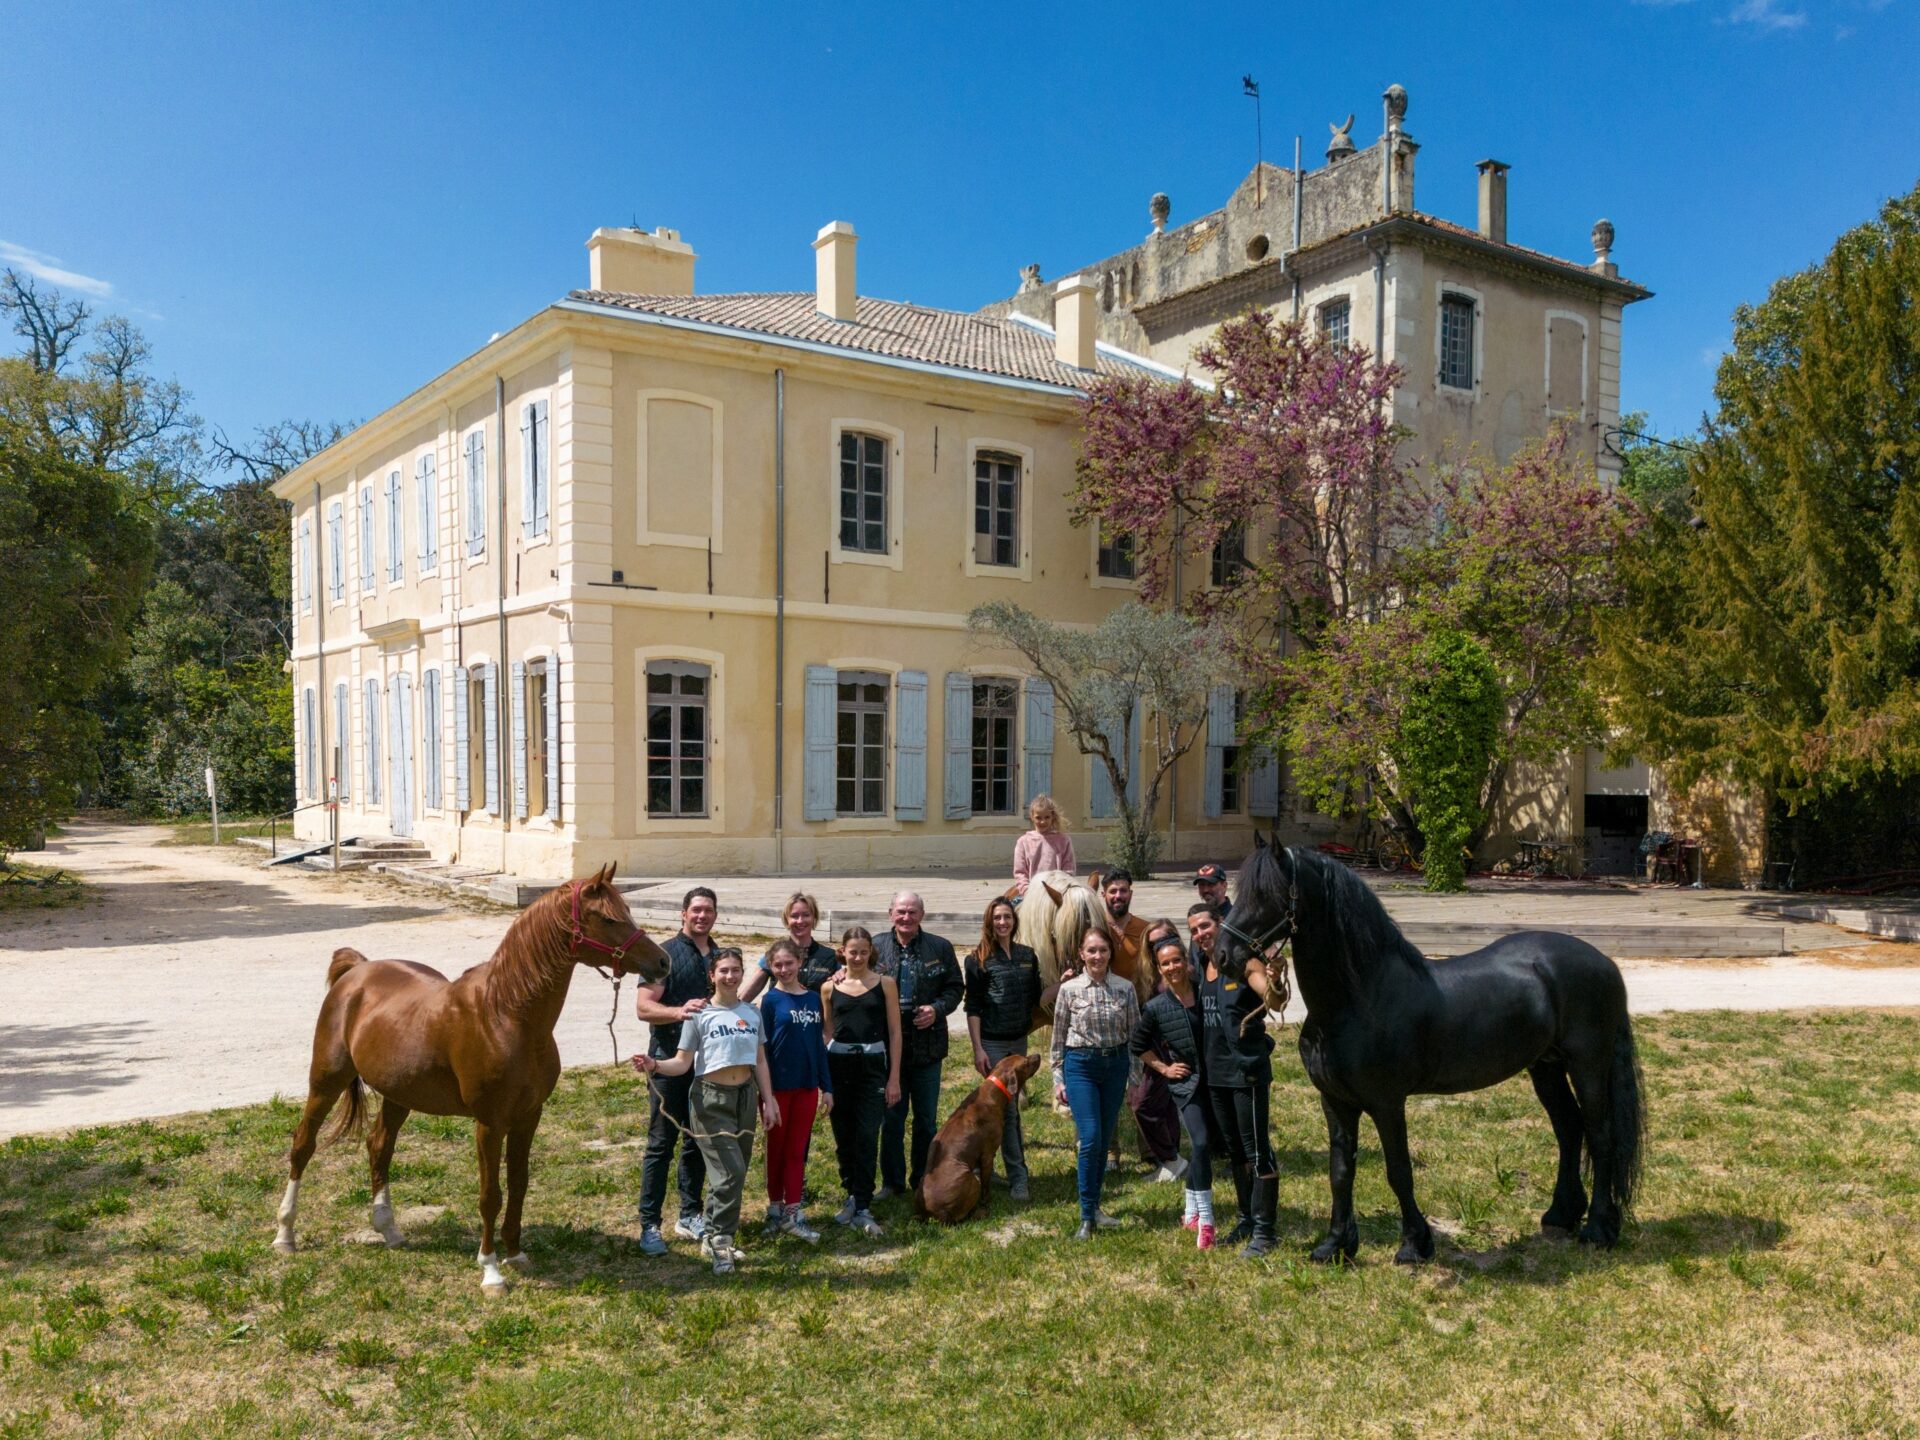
(45, 267)
(1767, 15)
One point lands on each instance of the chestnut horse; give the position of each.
(480, 1046)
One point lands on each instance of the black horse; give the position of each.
(1383, 1023)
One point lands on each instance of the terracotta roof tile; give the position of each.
(989, 345)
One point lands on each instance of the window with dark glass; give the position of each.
(1229, 555)
(996, 711)
(863, 493)
(1456, 342)
(996, 509)
(536, 701)
(1334, 318)
(677, 764)
(860, 744)
(1116, 556)
(1232, 763)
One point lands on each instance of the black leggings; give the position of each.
(1240, 1125)
(1193, 1120)
(859, 1105)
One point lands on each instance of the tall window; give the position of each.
(860, 744)
(536, 698)
(306, 562)
(310, 741)
(1334, 318)
(366, 537)
(431, 720)
(371, 720)
(336, 553)
(476, 493)
(863, 493)
(396, 530)
(1229, 555)
(677, 694)
(996, 710)
(426, 481)
(336, 762)
(1456, 341)
(1233, 771)
(996, 509)
(478, 716)
(537, 463)
(1116, 556)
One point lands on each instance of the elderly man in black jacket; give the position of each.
(923, 966)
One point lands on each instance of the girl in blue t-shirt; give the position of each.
(802, 1087)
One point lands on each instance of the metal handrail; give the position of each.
(273, 822)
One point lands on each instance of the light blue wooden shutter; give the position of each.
(426, 481)
(1263, 783)
(1219, 736)
(366, 537)
(958, 738)
(553, 736)
(534, 463)
(431, 721)
(1037, 751)
(336, 553)
(306, 563)
(311, 739)
(1101, 805)
(823, 689)
(462, 778)
(517, 710)
(371, 719)
(343, 735)
(396, 747)
(910, 746)
(476, 494)
(396, 529)
(490, 698)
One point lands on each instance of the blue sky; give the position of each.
(313, 210)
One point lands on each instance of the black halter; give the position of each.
(1279, 930)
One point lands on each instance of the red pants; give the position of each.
(787, 1145)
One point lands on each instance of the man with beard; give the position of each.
(1149, 1099)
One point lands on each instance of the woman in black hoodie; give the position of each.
(1170, 1040)
(1003, 998)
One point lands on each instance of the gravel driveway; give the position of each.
(194, 980)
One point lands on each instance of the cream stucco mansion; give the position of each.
(680, 580)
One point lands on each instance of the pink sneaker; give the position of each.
(1192, 1222)
(1205, 1239)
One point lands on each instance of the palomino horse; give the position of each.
(1382, 1024)
(1055, 915)
(481, 1046)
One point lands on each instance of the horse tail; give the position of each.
(1627, 1104)
(344, 959)
(349, 1117)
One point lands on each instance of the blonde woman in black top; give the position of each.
(862, 1011)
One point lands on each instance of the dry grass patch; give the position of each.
(1770, 1286)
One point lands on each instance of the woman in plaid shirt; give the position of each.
(1094, 1013)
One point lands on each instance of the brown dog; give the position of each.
(960, 1164)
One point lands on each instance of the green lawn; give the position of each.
(200, 831)
(1771, 1286)
(38, 887)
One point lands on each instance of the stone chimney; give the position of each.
(1493, 201)
(634, 262)
(833, 270)
(1076, 318)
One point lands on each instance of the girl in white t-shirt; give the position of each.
(724, 1046)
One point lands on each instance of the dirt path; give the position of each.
(193, 981)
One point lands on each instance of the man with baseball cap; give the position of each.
(1211, 881)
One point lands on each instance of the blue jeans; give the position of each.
(919, 1088)
(1096, 1084)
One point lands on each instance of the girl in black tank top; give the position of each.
(865, 1082)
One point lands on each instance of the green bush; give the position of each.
(1448, 729)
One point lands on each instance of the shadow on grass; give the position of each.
(1540, 1259)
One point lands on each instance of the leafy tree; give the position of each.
(1152, 661)
(1521, 562)
(1774, 635)
(1444, 746)
(78, 549)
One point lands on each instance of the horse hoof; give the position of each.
(1411, 1254)
(283, 1244)
(1333, 1252)
(1597, 1235)
(394, 1239)
(518, 1260)
(493, 1289)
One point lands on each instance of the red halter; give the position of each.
(579, 938)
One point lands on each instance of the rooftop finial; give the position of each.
(1159, 208)
(1396, 98)
(1341, 145)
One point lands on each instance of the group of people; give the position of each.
(860, 1033)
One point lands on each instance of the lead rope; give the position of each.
(1280, 982)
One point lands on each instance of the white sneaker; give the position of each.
(1106, 1221)
(776, 1220)
(794, 1222)
(1174, 1169)
(867, 1225)
(844, 1215)
(718, 1249)
(690, 1227)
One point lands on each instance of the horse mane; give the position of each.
(1054, 931)
(531, 953)
(1351, 911)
